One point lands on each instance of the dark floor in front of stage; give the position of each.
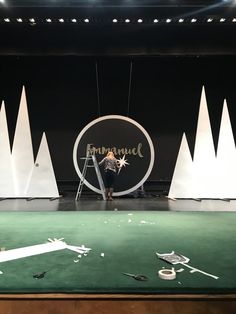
(94, 202)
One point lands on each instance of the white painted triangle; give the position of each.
(226, 157)
(181, 184)
(6, 173)
(204, 145)
(43, 181)
(204, 155)
(22, 150)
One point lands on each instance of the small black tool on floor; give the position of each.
(137, 277)
(40, 275)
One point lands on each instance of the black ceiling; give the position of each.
(68, 31)
(75, 3)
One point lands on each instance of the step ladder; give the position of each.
(90, 161)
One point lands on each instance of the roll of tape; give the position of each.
(167, 274)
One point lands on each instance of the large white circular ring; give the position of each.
(90, 186)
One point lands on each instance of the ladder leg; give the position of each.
(81, 183)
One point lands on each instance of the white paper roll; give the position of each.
(167, 274)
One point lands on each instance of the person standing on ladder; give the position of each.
(111, 164)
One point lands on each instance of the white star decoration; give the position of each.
(122, 163)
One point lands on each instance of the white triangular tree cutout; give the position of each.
(20, 177)
(226, 157)
(43, 182)
(181, 184)
(6, 174)
(213, 176)
(204, 158)
(22, 150)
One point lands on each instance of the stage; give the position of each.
(124, 236)
(94, 202)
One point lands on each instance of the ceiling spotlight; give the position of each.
(2, 1)
(181, 20)
(209, 20)
(48, 20)
(127, 20)
(73, 20)
(140, 21)
(168, 20)
(7, 20)
(86, 20)
(61, 20)
(19, 20)
(114, 20)
(32, 20)
(155, 21)
(193, 20)
(222, 20)
(234, 20)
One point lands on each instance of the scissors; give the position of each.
(137, 277)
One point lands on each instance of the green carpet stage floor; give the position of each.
(128, 241)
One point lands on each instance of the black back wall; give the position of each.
(165, 95)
